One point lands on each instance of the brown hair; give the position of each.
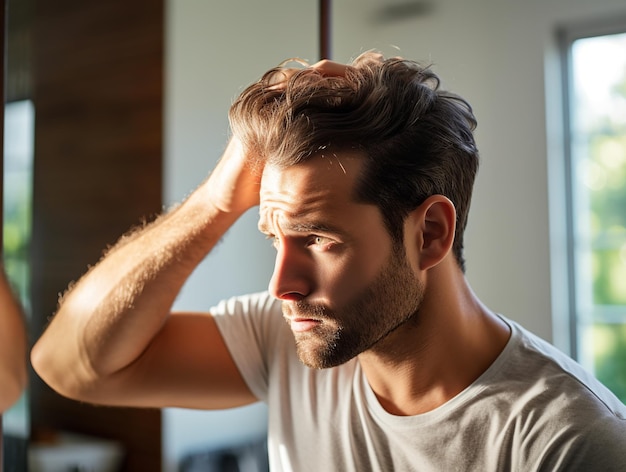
(417, 139)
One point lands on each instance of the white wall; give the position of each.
(213, 50)
(498, 54)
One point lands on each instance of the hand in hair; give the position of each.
(330, 68)
(326, 67)
(234, 184)
(281, 75)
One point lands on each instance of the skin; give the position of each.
(12, 346)
(337, 302)
(427, 336)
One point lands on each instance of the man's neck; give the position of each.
(430, 360)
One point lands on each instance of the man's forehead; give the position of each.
(315, 189)
(338, 166)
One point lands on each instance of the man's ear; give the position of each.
(431, 228)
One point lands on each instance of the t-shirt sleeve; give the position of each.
(599, 445)
(249, 326)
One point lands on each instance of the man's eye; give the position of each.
(321, 241)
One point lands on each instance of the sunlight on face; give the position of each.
(343, 283)
(389, 302)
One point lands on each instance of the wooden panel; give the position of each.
(98, 95)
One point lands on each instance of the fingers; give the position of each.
(325, 67)
(280, 77)
(335, 69)
(234, 183)
(331, 68)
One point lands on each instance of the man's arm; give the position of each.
(12, 346)
(113, 339)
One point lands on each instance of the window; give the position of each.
(17, 198)
(596, 147)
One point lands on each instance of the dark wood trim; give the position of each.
(325, 33)
(98, 98)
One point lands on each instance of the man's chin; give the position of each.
(316, 354)
(317, 362)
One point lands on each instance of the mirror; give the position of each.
(17, 199)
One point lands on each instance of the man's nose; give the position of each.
(292, 277)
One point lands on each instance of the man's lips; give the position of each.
(300, 325)
(303, 317)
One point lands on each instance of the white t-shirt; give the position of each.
(533, 409)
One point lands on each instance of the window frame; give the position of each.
(566, 37)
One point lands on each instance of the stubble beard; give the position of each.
(389, 302)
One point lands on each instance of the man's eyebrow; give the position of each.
(303, 227)
(312, 227)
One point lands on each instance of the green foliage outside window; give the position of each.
(610, 356)
(605, 180)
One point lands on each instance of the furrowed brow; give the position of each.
(302, 226)
(312, 227)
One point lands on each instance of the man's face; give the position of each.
(344, 284)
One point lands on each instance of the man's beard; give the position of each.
(389, 302)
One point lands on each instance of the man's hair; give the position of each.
(417, 139)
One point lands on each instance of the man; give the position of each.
(363, 176)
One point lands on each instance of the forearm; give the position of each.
(12, 347)
(110, 317)
(13, 365)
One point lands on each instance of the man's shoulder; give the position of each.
(547, 377)
(550, 413)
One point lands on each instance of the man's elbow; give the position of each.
(75, 380)
(62, 378)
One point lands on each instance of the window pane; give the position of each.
(598, 153)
